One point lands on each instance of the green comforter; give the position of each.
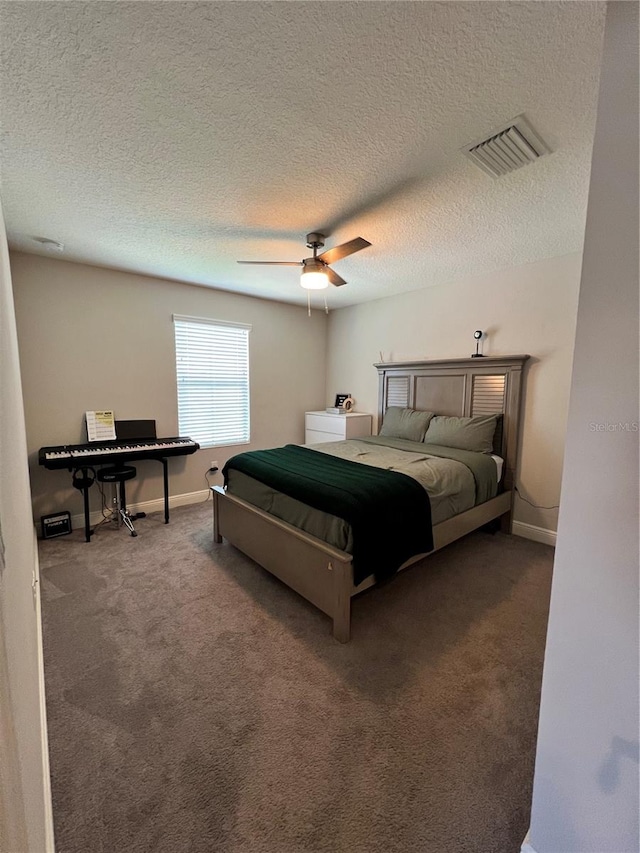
(368, 498)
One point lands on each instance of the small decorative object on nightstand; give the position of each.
(478, 336)
(343, 405)
(327, 426)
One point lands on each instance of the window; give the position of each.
(212, 365)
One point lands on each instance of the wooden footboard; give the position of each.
(321, 574)
(317, 571)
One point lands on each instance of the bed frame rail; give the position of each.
(316, 571)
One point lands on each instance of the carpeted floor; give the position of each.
(197, 705)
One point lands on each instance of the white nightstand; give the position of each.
(323, 426)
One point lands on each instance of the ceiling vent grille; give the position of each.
(514, 145)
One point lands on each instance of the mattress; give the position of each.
(452, 486)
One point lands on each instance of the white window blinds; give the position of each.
(212, 365)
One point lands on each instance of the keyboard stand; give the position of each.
(88, 532)
(166, 490)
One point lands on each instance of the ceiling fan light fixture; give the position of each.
(316, 272)
(314, 280)
(313, 275)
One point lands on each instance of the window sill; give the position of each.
(204, 445)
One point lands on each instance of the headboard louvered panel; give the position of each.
(464, 387)
(487, 397)
(397, 391)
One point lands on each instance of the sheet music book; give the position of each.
(101, 426)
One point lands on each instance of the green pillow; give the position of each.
(405, 423)
(464, 433)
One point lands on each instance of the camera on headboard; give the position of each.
(478, 336)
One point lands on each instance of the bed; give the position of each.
(318, 562)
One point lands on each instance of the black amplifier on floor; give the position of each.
(56, 524)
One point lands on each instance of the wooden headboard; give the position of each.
(464, 387)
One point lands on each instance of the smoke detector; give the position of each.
(508, 148)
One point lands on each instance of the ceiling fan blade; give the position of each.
(344, 249)
(274, 263)
(333, 277)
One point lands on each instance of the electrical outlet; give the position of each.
(214, 464)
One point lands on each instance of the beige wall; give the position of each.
(26, 824)
(585, 793)
(528, 309)
(92, 338)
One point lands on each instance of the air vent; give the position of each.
(507, 149)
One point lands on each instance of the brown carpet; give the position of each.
(196, 704)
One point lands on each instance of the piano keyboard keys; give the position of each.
(66, 455)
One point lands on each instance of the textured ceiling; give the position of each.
(176, 138)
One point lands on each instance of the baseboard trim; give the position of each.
(156, 505)
(520, 528)
(537, 534)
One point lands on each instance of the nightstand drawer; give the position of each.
(313, 436)
(326, 423)
(327, 426)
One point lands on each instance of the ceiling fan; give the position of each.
(316, 272)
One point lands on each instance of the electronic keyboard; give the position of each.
(112, 452)
(79, 457)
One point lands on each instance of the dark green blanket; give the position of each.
(389, 513)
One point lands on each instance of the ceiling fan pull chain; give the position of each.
(309, 303)
(326, 307)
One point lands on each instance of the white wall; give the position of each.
(25, 803)
(93, 338)
(527, 309)
(586, 779)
